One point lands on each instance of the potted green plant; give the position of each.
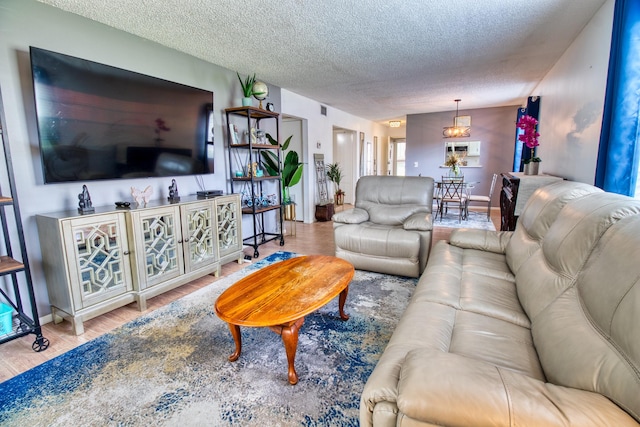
(290, 170)
(334, 173)
(247, 89)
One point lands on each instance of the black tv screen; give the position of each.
(96, 121)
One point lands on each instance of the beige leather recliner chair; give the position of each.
(390, 228)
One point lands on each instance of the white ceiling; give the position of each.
(376, 59)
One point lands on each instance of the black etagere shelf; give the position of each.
(255, 202)
(18, 312)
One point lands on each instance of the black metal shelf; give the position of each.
(253, 185)
(24, 318)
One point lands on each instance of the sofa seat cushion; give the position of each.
(471, 280)
(445, 329)
(437, 388)
(379, 240)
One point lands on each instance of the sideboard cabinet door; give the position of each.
(229, 222)
(98, 263)
(157, 237)
(199, 231)
(87, 265)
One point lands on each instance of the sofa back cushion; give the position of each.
(540, 212)
(567, 245)
(392, 199)
(588, 337)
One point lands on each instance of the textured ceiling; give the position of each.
(375, 59)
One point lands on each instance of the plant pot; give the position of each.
(339, 199)
(531, 168)
(247, 102)
(290, 212)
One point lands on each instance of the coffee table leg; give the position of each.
(237, 338)
(341, 300)
(289, 334)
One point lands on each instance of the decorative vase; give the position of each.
(290, 212)
(247, 102)
(454, 172)
(531, 168)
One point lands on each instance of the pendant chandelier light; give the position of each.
(458, 130)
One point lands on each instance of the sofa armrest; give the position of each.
(421, 221)
(485, 240)
(352, 216)
(449, 389)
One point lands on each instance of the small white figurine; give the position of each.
(142, 197)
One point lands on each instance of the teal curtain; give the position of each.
(618, 153)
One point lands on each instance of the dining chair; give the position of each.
(439, 189)
(485, 199)
(452, 191)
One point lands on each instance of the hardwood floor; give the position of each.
(17, 356)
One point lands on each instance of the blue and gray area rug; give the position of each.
(476, 219)
(170, 367)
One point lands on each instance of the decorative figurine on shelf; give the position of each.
(142, 197)
(84, 201)
(261, 137)
(250, 136)
(252, 170)
(173, 192)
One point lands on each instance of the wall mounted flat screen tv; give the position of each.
(100, 122)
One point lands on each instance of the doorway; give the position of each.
(397, 163)
(345, 153)
(295, 126)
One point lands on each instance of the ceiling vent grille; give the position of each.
(323, 110)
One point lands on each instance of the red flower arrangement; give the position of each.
(529, 136)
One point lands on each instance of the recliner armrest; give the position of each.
(484, 240)
(420, 221)
(352, 216)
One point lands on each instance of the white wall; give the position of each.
(345, 153)
(320, 130)
(573, 101)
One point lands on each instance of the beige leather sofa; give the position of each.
(535, 327)
(390, 228)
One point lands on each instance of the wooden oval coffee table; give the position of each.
(280, 295)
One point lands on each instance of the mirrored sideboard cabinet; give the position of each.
(97, 262)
